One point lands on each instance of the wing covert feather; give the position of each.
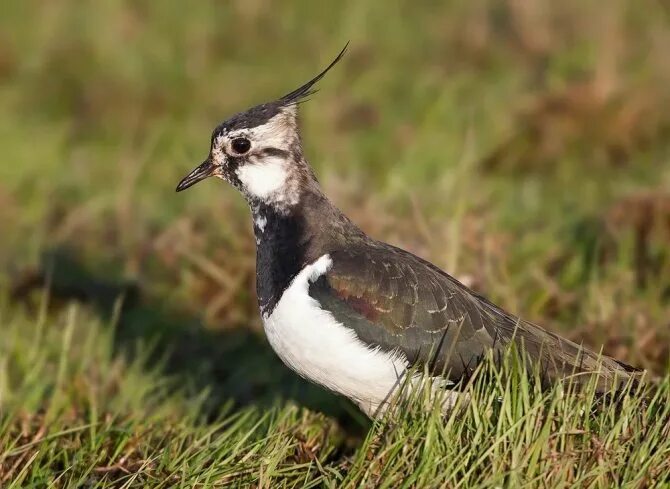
(398, 302)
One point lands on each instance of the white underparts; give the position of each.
(310, 341)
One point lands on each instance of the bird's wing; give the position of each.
(396, 301)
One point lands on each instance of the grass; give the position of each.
(522, 146)
(78, 414)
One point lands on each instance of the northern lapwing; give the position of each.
(344, 310)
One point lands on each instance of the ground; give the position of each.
(522, 146)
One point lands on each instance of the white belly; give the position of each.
(310, 341)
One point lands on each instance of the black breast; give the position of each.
(280, 253)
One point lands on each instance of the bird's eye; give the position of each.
(241, 145)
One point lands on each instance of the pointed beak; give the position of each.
(206, 169)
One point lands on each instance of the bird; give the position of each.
(350, 313)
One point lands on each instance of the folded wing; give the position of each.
(396, 301)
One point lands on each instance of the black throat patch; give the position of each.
(281, 244)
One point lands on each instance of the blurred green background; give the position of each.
(521, 145)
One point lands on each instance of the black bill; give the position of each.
(206, 169)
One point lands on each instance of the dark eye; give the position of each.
(241, 145)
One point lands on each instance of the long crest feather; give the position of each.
(299, 94)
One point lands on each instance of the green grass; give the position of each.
(76, 413)
(522, 146)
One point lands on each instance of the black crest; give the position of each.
(260, 114)
(306, 90)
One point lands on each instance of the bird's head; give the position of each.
(258, 151)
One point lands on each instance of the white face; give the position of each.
(259, 158)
